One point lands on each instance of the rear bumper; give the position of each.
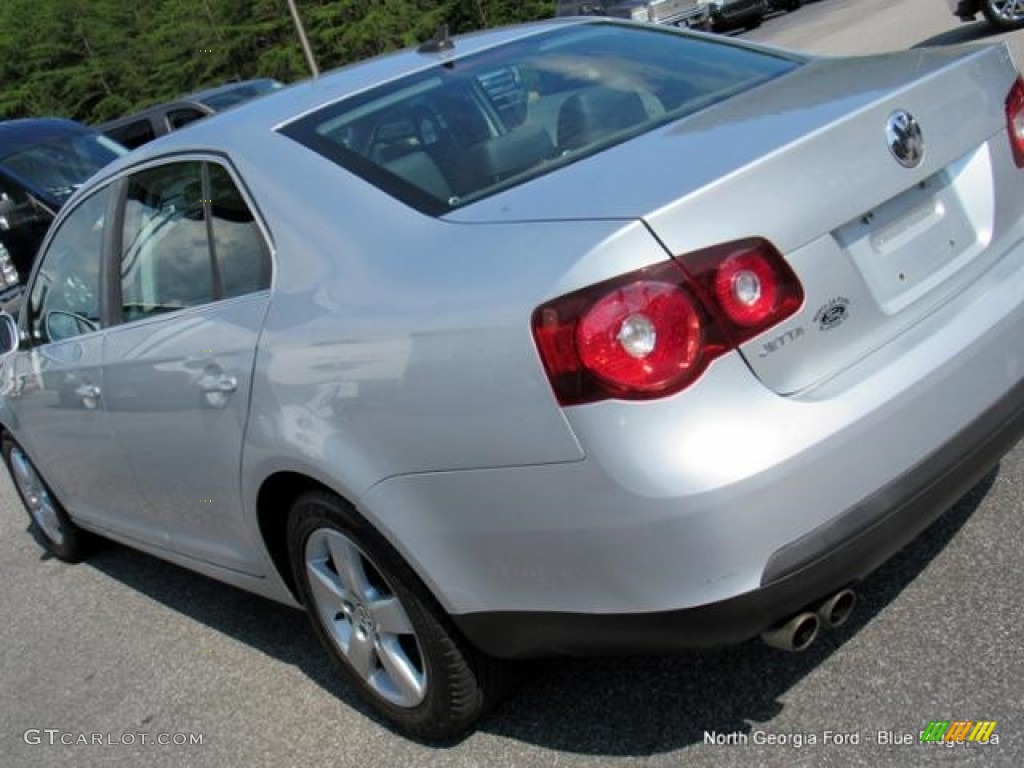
(797, 576)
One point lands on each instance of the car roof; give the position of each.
(26, 132)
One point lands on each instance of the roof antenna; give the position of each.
(440, 42)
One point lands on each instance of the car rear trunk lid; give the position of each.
(879, 240)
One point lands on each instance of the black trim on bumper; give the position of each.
(796, 576)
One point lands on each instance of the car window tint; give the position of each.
(461, 131)
(179, 118)
(165, 252)
(240, 256)
(65, 297)
(133, 134)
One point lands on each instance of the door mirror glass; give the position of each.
(62, 325)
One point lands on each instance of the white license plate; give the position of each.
(910, 242)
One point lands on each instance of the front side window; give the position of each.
(65, 298)
(473, 126)
(188, 239)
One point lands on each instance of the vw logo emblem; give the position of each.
(903, 135)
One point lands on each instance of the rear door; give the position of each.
(193, 284)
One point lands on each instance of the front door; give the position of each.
(58, 393)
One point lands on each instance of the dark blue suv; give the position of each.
(42, 161)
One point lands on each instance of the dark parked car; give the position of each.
(135, 130)
(1004, 14)
(736, 14)
(42, 161)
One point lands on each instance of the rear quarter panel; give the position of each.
(397, 343)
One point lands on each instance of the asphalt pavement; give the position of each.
(124, 652)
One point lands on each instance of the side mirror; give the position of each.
(62, 325)
(10, 336)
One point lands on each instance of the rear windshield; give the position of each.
(473, 126)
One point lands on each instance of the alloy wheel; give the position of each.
(364, 618)
(41, 505)
(1005, 13)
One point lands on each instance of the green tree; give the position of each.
(93, 60)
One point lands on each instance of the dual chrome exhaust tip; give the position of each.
(797, 633)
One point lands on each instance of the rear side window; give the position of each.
(188, 238)
(165, 262)
(473, 126)
(240, 258)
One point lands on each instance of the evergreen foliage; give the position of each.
(94, 60)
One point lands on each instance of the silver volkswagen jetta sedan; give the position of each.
(578, 337)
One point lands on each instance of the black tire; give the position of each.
(1000, 16)
(388, 621)
(50, 522)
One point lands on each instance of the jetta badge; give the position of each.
(903, 134)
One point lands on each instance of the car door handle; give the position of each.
(89, 394)
(220, 383)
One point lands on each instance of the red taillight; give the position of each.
(746, 288)
(641, 337)
(750, 284)
(1015, 120)
(653, 332)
